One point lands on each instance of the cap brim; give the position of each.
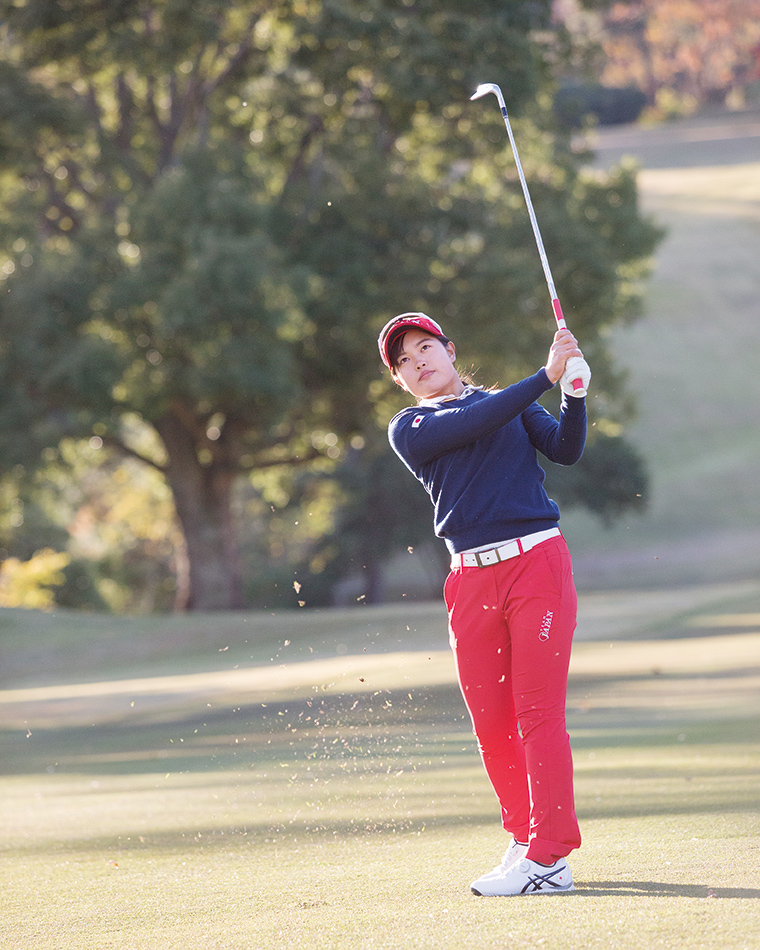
(399, 325)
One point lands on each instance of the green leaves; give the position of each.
(210, 292)
(210, 209)
(610, 479)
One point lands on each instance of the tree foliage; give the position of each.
(209, 209)
(113, 515)
(683, 54)
(28, 583)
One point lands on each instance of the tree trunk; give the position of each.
(203, 499)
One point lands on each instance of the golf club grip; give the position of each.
(560, 318)
(558, 315)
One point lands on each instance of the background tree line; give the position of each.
(208, 211)
(662, 58)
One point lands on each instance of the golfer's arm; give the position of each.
(419, 437)
(561, 442)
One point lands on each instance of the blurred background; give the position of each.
(209, 210)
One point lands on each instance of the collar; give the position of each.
(437, 400)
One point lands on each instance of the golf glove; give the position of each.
(575, 368)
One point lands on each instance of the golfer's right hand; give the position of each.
(563, 348)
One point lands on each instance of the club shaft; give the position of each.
(556, 307)
(529, 203)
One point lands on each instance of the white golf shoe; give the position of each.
(525, 877)
(515, 852)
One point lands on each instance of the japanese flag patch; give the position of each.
(417, 420)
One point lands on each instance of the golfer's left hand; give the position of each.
(575, 368)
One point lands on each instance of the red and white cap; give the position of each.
(400, 324)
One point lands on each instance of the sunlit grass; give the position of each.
(376, 846)
(304, 804)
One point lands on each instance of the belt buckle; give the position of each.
(487, 558)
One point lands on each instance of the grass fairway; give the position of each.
(691, 362)
(332, 797)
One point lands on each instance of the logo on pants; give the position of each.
(546, 625)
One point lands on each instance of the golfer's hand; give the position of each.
(562, 349)
(576, 368)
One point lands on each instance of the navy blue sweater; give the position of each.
(476, 457)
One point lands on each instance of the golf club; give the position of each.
(483, 90)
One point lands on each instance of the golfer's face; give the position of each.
(425, 366)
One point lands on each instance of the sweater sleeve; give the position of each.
(561, 442)
(419, 436)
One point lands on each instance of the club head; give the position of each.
(483, 90)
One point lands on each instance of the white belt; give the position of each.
(504, 552)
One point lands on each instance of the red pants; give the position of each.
(511, 627)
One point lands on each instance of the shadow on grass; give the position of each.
(324, 728)
(428, 722)
(661, 889)
(319, 834)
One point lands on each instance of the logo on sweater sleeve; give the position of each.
(417, 420)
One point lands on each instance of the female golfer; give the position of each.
(510, 594)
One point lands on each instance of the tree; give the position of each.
(682, 53)
(210, 209)
(112, 515)
(382, 511)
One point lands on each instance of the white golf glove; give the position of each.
(575, 368)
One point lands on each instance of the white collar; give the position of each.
(437, 400)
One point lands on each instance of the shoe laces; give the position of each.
(513, 853)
